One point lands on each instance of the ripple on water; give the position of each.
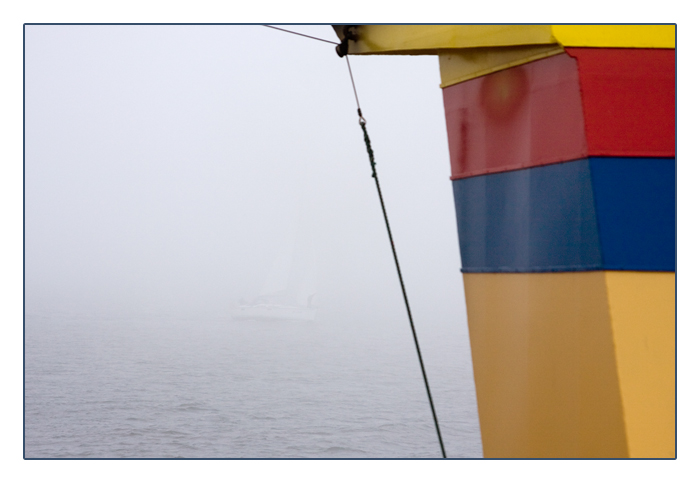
(164, 389)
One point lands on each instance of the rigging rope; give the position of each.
(303, 35)
(368, 144)
(370, 152)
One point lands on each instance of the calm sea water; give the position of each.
(155, 387)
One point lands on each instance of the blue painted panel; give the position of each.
(597, 214)
(636, 208)
(529, 220)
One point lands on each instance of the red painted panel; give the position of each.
(629, 98)
(525, 116)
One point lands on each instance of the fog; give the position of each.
(167, 166)
(164, 164)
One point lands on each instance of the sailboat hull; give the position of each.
(274, 312)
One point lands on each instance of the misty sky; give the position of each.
(166, 166)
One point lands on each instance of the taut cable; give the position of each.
(303, 35)
(370, 152)
(368, 144)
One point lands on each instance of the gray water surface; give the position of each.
(157, 387)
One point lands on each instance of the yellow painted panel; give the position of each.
(544, 365)
(459, 65)
(432, 39)
(429, 39)
(639, 36)
(642, 306)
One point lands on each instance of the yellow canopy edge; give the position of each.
(432, 39)
(634, 36)
(459, 65)
(429, 39)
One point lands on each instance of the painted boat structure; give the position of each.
(562, 151)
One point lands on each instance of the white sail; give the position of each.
(275, 288)
(289, 289)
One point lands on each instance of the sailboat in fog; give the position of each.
(289, 290)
